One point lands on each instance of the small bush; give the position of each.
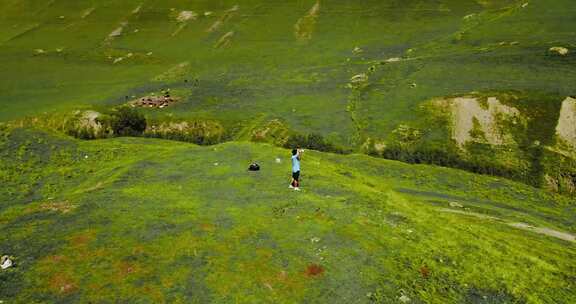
(126, 121)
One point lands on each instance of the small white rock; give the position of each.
(6, 262)
(404, 299)
(456, 205)
(186, 15)
(560, 50)
(394, 59)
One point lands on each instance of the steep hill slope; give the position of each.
(151, 221)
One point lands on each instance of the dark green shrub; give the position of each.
(447, 157)
(312, 141)
(126, 121)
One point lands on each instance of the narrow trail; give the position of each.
(522, 226)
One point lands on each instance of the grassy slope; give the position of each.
(153, 221)
(267, 70)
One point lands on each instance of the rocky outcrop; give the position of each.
(566, 127)
(507, 135)
(87, 125)
(482, 121)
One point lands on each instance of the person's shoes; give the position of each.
(291, 187)
(297, 189)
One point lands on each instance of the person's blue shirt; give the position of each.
(295, 163)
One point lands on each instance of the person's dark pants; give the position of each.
(296, 179)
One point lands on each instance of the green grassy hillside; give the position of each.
(482, 85)
(151, 221)
(354, 72)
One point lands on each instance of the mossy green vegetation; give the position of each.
(147, 220)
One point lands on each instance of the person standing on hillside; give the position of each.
(296, 158)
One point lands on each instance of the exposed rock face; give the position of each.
(225, 17)
(118, 31)
(566, 127)
(86, 125)
(89, 120)
(185, 16)
(560, 50)
(476, 122)
(534, 158)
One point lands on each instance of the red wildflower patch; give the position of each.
(207, 227)
(314, 270)
(55, 258)
(62, 283)
(425, 272)
(82, 239)
(126, 269)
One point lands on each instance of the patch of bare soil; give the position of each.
(224, 41)
(225, 17)
(62, 207)
(154, 102)
(87, 12)
(304, 28)
(183, 18)
(117, 32)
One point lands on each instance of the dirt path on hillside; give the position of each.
(523, 226)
